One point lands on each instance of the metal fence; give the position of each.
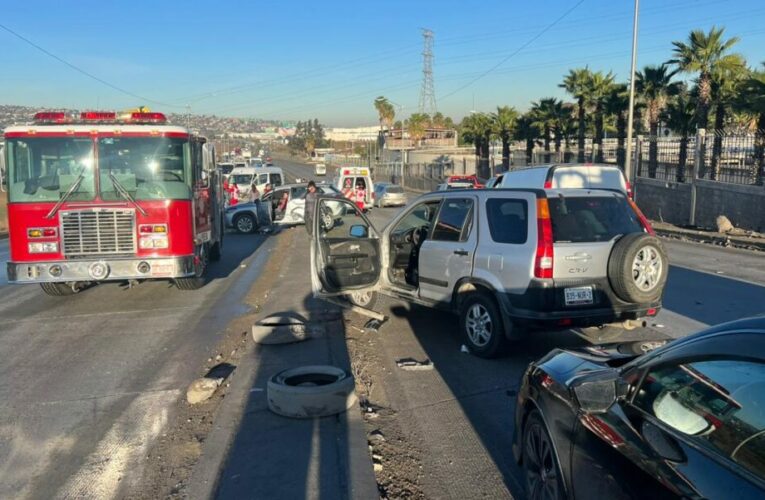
(734, 158)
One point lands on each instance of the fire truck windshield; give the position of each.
(148, 168)
(45, 169)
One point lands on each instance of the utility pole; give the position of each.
(427, 91)
(628, 171)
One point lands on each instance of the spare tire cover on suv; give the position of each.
(638, 267)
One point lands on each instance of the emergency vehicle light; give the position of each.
(148, 117)
(50, 116)
(98, 115)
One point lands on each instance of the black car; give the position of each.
(685, 420)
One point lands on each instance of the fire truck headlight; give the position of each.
(51, 247)
(154, 241)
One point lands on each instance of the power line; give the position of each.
(82, 71)
(507, 58)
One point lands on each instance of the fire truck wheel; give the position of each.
(193, 283)
(58, 289)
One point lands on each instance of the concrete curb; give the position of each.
(708, 237)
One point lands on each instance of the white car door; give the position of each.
(447, 253)
(345, 249)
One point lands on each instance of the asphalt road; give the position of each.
(88, 382)
(460, 414)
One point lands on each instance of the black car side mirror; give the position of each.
(596, 391)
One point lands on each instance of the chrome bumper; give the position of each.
(101, 269)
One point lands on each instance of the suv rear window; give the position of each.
(394, 189)
(508, 220)
(588, 219)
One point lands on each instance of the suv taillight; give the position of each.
(543, 262)
(642, 218)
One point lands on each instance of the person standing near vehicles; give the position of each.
(348, 188)
(254, 193)
(233, 194)
(310, 205)
(359, 196)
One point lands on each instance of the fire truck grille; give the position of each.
(98, 232)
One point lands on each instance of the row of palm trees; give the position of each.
(724, 88)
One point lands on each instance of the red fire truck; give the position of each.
(102, 196)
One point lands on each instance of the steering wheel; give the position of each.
(418, 235)
(177, 177)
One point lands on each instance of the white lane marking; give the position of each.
(124, 446)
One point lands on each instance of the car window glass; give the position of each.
(452, 219)
(420, 215)
(719, 403)
(590, 219)
(299, 191)
(394, 189)
(276, 179)
(508, 220)
(263, 179)
(340, 219)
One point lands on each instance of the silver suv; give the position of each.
(504, 259)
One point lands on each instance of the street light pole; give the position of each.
(628, 173)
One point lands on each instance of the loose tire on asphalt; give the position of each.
(482, 327)
(57, 289)
(245, 223)
(538, 454)
(310, 392)
(638, 268)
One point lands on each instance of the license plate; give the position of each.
(578, 296)
(162, 269)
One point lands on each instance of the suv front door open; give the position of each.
(345, 248)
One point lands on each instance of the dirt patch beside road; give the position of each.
(171, 459)
(398, 464)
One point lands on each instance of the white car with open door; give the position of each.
(501, 258)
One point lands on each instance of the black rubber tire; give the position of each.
(369, 303)
(496, 343)
(535, 423)
(57, 289)
(193, 283)
(311, 392)
(620, 268)
(242, 217)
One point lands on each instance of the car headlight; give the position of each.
(50, 247)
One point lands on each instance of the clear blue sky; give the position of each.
(329, 59)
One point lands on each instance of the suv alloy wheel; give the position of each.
(481, 324)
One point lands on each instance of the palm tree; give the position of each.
(544, 115)
(680, 116)
(598, 89)
(616, 105)
(385, 112)
(576, 83)
(503, 124)
(704, 54)
(751, 97)
(654, 85)
(724, 82)
(526, 130)
(417, 126)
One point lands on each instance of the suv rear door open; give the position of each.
(345, 249)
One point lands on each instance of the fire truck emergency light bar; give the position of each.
(100, 116)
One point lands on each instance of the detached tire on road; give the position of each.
(638, 268)
(310, 392)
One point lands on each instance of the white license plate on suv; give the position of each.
(578, 296)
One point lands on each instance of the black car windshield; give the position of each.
(45, 168)
(591, 219)
(147, 168)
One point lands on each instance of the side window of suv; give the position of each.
(453, 220)
(720, 404)
(508, 220)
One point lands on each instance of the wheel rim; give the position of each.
(327, 220)
(361, 298)
(244, 224)
(541, 471)
(647, 267)
(200, 263)
(478, 325)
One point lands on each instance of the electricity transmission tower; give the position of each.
(427, 91)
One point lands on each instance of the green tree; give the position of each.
(704, 54)
(544, 114)
(417, 126)
(725, 79)
(655, 87)
(527, 131)
(576, 83)
(385, 112)
(503, 124)
(751, 97)
(598, 90)
(617, 105)
(477, 128)
(680, 116)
